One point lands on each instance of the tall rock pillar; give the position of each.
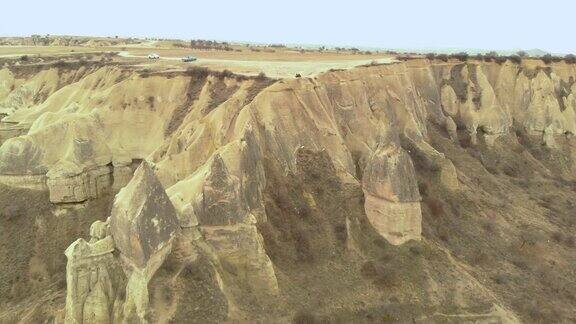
(143, 224)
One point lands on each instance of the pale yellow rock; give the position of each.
(397, 222)
(451, 128)
(143, 220)
(392, 200)
(143, 224)
(449, 100)
(444, 168)
(68, 183)
(448, 175)
(94, 278)
(242, 246)
(548, 137)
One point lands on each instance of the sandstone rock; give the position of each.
(94, 279)
(252, 175)
(121, 176)
(143, 224)
(185, 210)
(221, 202)
(474, 137)
(434, 161)
(448, 175)
(122, 171)
(143, 219)
(390, 175)
(99, 230)
(469, 96)
(241, 246)
(68, 183)
(397, 222)
(489, 139)
(449, 99)
(451, 128)
(392, 200)
(548, 137)
(20, 155)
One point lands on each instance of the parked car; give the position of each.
(153, 56)
(189, 58)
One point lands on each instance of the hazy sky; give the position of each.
(490, 24)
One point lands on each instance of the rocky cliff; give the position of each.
(383, 182)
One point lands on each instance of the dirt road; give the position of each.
(275, 69)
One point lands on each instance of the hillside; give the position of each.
(413, 191)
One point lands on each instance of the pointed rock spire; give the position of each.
(143, 219)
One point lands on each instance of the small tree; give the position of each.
(516, 59)
(490, 56)
(522, 54)
(570, 59)
(261, 76)
(547, 59)
(462, 56)
(500, 59)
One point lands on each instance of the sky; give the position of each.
(406, 24)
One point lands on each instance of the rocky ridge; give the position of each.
(218, 142)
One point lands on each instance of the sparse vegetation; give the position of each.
(202, 44)
(570, 59)
(442, 57)
(490, 56)
(547, 59)
(436, 207)
(500, 59)
(304, 317)
(462, 56)
(516, 58)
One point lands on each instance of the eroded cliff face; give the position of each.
(274, 181)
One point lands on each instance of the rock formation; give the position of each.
(141, 228)
(143, 224)
(548, 137)
(225, 174)
(451, 128)
(94, 279)
(392, 198)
